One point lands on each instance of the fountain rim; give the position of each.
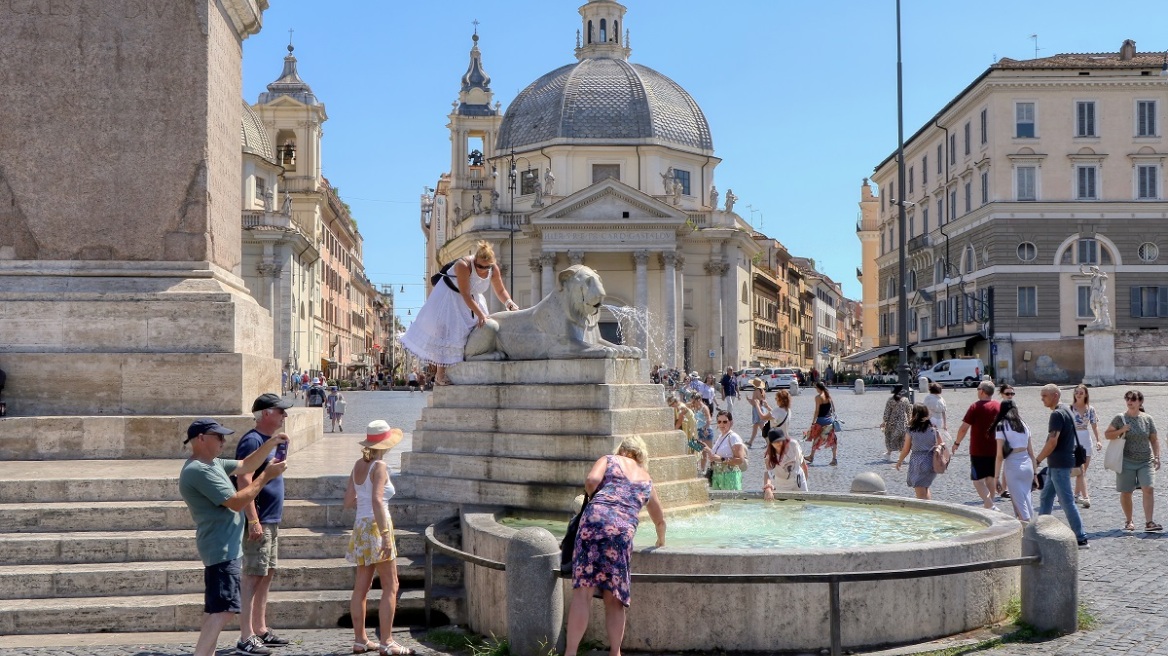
(997, 525)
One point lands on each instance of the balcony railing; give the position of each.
(257, 218)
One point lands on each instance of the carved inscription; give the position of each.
(144, 9)
(603, 236)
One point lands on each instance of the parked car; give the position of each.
(778, 378)
(960, 371)
(745, 376)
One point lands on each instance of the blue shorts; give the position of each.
(222, 587)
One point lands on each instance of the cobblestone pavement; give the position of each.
(1121, 576)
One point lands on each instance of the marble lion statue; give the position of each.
(562, 326)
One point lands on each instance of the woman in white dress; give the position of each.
(455, 307)
(786, 470)
(1015, 458)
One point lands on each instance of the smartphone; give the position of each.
(281, 451)
(696, 445)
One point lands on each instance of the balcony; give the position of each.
(258, 218)
(919, 242)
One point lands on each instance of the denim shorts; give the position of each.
(222, 587)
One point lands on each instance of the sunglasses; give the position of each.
(1008, 394)
(482, 267)
(723, 421)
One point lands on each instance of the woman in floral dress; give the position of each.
(895, 424)
(619, 486)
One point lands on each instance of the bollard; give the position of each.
(794, 391)
(923, 385)
(535, 601)
(1050, 589)
(859, 386)
(868, 483)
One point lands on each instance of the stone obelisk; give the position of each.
(120, 291)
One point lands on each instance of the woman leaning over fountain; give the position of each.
(620, 486)
(727, 455)
(786, 470)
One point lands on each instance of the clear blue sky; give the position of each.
(800, 97)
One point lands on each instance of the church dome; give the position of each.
(254, 135)
(605, 100)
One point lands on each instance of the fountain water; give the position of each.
(637, 328)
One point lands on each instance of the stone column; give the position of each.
(534, 264)
(641, 261)
(575, 257)
(548, 261)
(669, 262)
(716, 269)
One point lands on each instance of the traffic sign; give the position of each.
(825, 350)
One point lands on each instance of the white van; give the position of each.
(962, 371)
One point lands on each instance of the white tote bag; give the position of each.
(1113, 456)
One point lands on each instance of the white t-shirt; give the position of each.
(724, 444)
(936, 406)
(787, 475)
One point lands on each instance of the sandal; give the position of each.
(394, 649)
(362, 647)
(1130, 526)
(1152, 527)
(442, 383)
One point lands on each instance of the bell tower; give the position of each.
(474, 129)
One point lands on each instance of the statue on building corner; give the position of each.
(714, 196)
(477, 203)
(667, 179)
(1098, 296)
(537, 189)
(494, 201)
(549, 183)
(269, 201)
(730, 200)
(677, 189)
(287, 209)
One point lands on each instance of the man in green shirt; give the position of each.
(214, 505)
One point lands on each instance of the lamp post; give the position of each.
(902, 305)
(511, 178)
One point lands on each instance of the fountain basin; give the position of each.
(786, 617)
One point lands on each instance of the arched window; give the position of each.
(603, 31)
(589, 31)
(970, 259)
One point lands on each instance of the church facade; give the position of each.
(609, 164)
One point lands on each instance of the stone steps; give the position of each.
(549, 397)
(545, 496)
(186, 577)
(601, 371)
(558, 421)
(173, 515)
(184, 612)
(538, 445)
(532, 471)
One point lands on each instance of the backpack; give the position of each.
(315, 397)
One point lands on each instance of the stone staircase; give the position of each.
(108, 546)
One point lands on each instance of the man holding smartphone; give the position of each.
(261, 536)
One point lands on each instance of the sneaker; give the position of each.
(253, 645)
(1086, 503)
(272, 640)
(1083, 544)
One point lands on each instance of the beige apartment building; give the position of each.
(1036, 171)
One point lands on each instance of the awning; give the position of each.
(945, 343)
(870, 354)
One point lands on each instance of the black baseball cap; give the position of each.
(270, 400)
(204, 425)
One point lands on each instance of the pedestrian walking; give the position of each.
(978, 424)
(758, 408)
(896, 417)
(729, 388)
(1015, 463)
(1086, 422)
(335, 406)
(938, 413)
(1141, 459)
(1059, 452)
(920, 438)
(822, 431)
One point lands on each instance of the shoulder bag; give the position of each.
(941, 457)
(1113, 456)
(1006, 448)
(745, 462)
(568, 544)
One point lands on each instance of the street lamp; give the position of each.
(511, 178)
(902, 306)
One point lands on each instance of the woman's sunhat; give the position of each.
(380, 436)
(756, 382)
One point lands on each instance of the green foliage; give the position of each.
(452, 640)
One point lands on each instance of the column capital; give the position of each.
(641, 257)
(269, 269)
(717, 268)
(576, 257)
(535, 264)
(669, 259)
(679, 260)
(547, 259)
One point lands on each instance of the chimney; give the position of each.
(1127, 51)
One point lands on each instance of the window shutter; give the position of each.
(1162, 301)
(1135, 301)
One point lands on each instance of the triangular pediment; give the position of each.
(609, 201)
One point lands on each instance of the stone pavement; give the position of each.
(1120, 576)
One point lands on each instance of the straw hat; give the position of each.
(756, 382)
(380, 436)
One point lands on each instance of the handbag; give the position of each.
(941, 457)
(339, 407)
(1113, 456)
(1040, 479)
(568, 544)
